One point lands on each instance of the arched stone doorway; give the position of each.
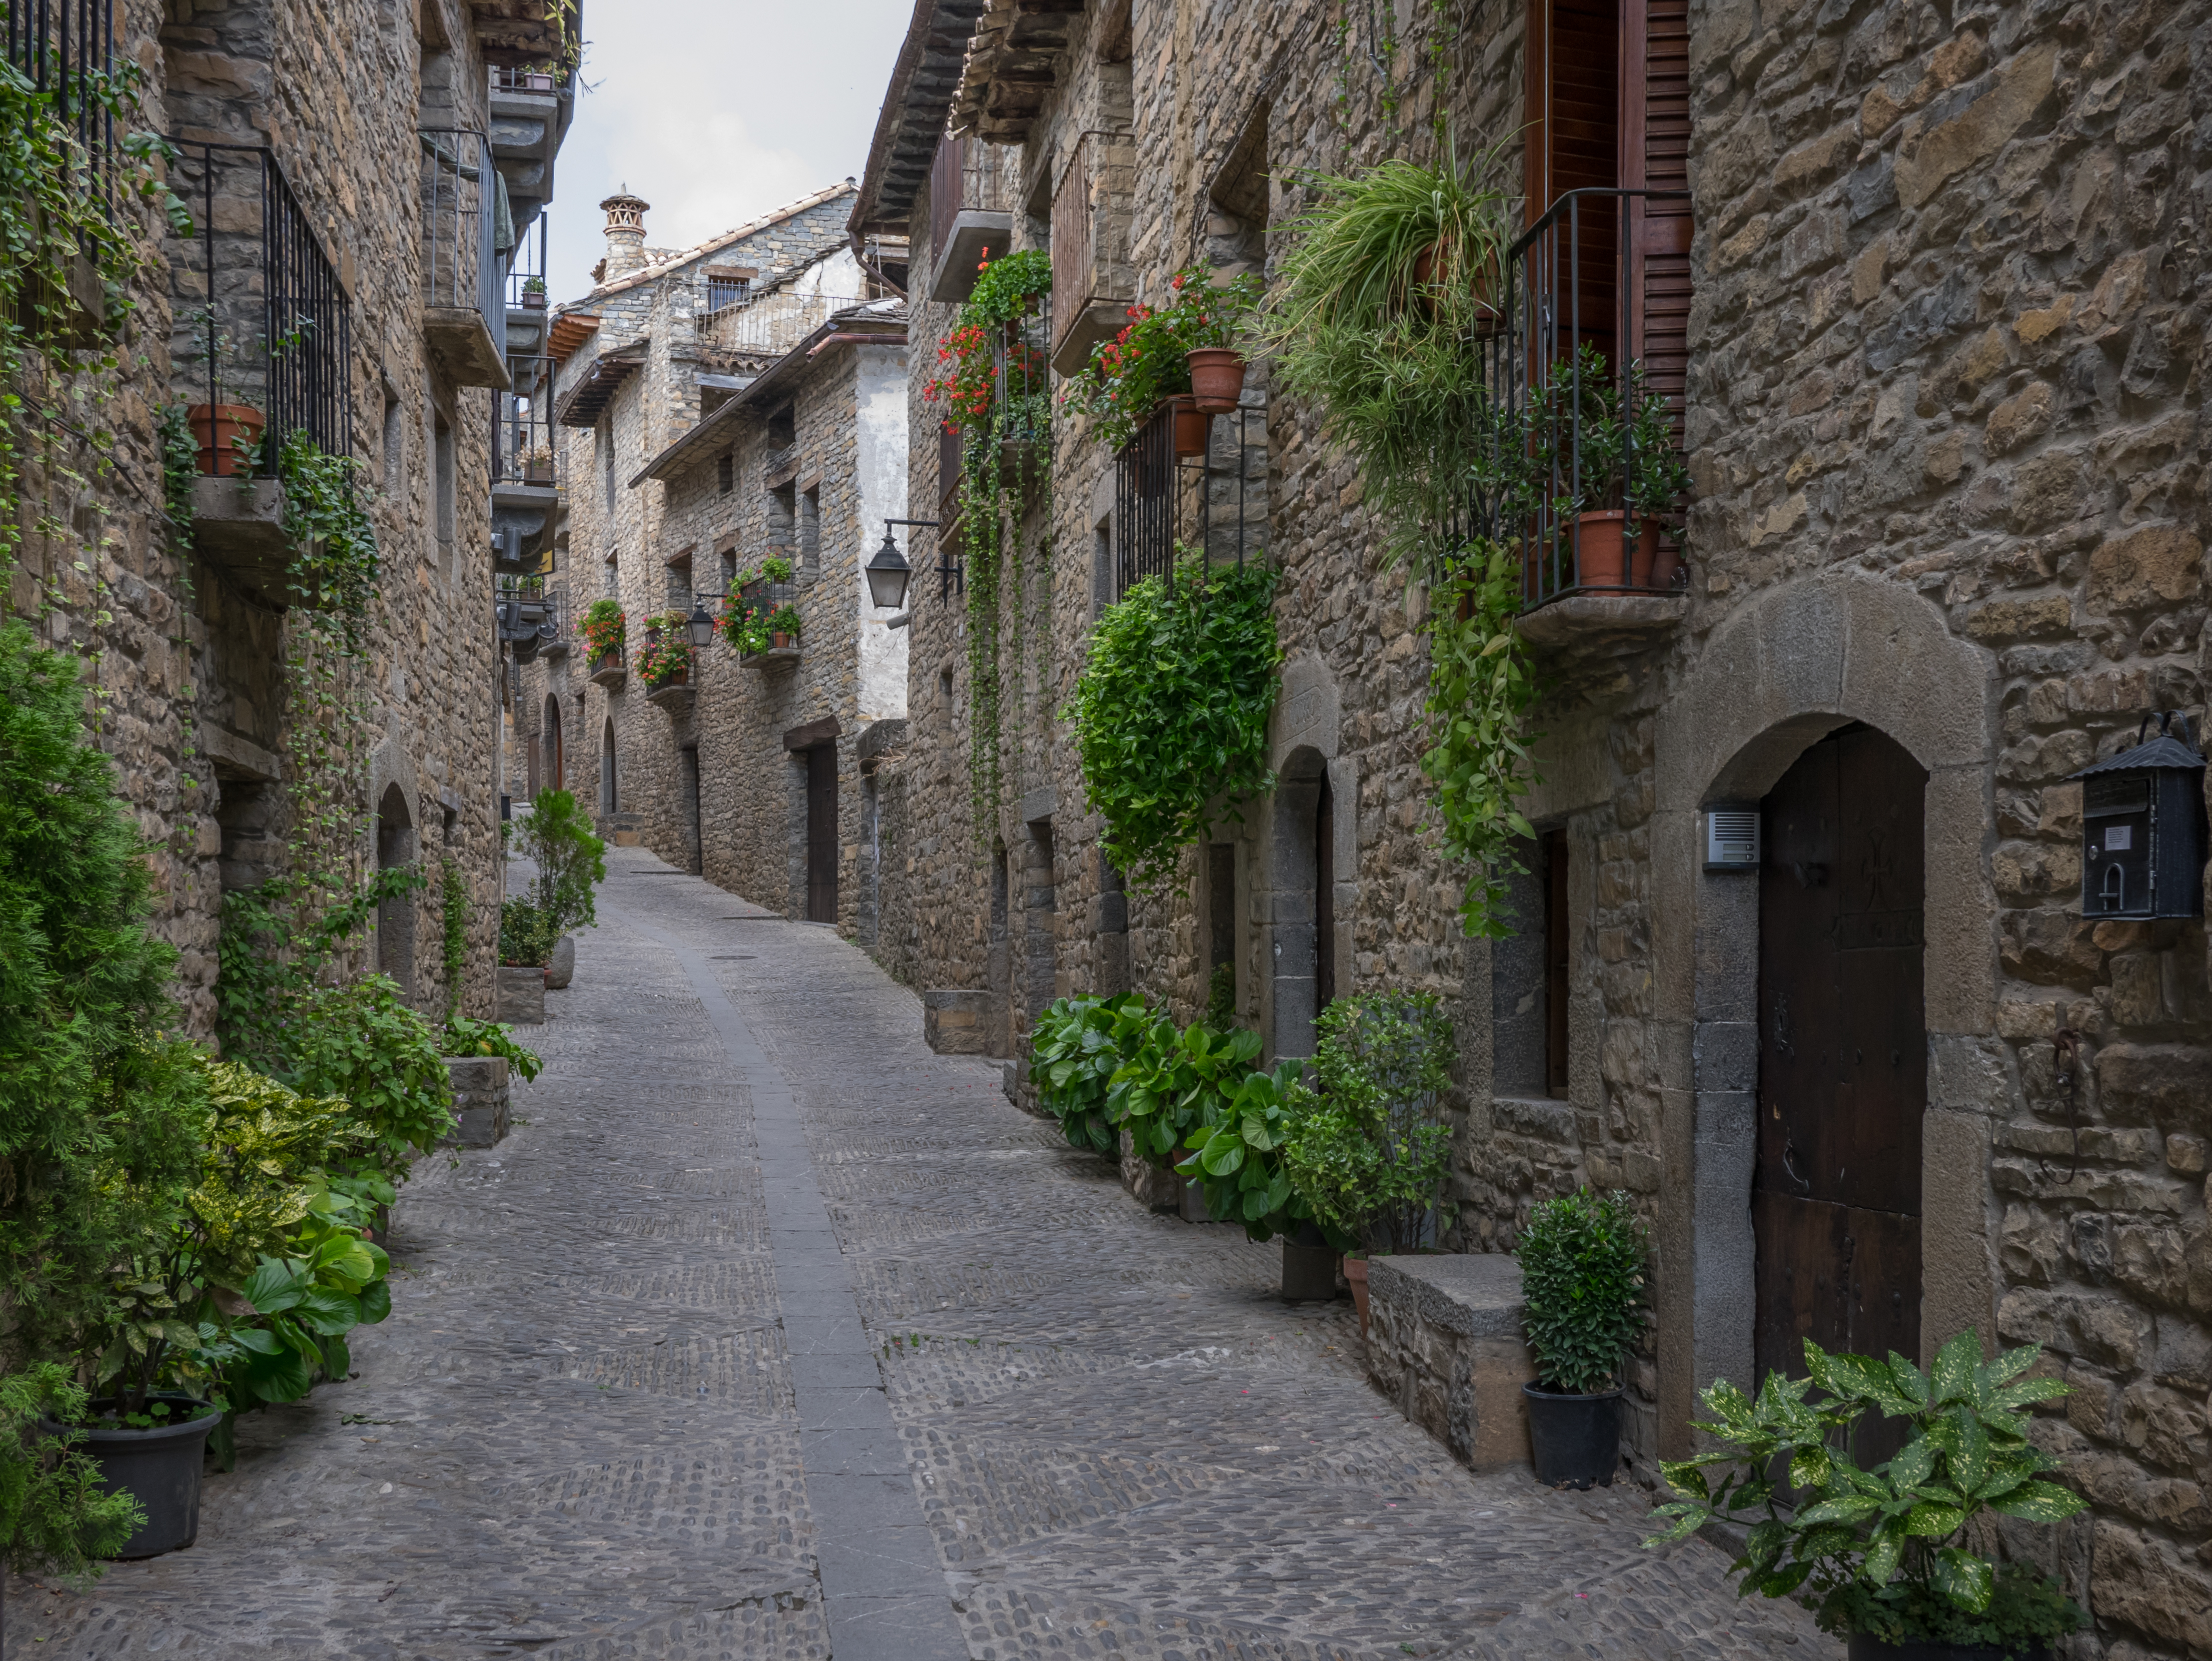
(556, 774)
(1302, 863)
(609, 785)
(395, 917)
(1843, 1041)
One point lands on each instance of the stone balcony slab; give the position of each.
(238, 526)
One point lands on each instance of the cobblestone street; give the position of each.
(768, 1333)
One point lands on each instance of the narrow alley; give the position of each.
(767, 1333)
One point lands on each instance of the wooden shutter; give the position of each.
(1573, 142)
(1654, 150)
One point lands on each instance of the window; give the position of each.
(729, 562)
(810, 530)
(944, 689)
(612, 586)
(726, 472)
(442, 443)
(727, 287)
(782, 521)
(679, 582)
(395, 442)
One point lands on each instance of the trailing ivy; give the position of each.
(1480, 690)
(455, 899)
(1170, 711)
(992, 387)
(335, 562)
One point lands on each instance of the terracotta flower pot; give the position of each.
(1603, 559)
(223, 430)
(610, 659)
(1355, 1270)
(533, 299)
(779, 642)
(537, 473)
(1217, 378)
(1191, 424)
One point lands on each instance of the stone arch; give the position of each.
(556, 770)
(1789, 668)
(395, 847)
(1305, 888)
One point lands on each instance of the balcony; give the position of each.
(463, 303)
(965, 219)
(528, 311)
(1093, 280)
(520, 34)
(531, 618)
(524, 488)
(1588, 357)
(1203, 489)
(530, 109)
(260, 319)
(733, 312)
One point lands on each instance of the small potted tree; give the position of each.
(1366, 1151)
(1879, 1556)
(1582, 1283)
(571, 863)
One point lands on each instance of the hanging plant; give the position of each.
(1170, 711)
(1149, 361)
(992, 389)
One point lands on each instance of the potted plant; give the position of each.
(1366, 1150)
(665, 658)
(1149, 361)
(525, 939)
(783, 627)
(533, 293)
(1607, 454)
(603, 628)
(537, 465)
(571, 861)
(227, 434)
(1076, 1046)
(1878, 1555)
(1583, 1297)
(776, 568)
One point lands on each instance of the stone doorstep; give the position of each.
(481, 1100)
(1445, 1343)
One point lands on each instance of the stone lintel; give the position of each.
(1039, 805)
(824, 731)
(232, 754)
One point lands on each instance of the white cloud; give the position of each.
(715, 114)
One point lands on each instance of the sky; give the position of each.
(714, 111)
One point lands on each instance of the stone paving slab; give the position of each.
(769, 1333)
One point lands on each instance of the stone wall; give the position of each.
(1942, 422)
(199, 688)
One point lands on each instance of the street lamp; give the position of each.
(701, 623)
(889, 573)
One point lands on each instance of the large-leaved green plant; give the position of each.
(1170, 711)
(1076, 1046)
(1880, 1551)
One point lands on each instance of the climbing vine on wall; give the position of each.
(1170, 712)
(992, 387)
(1480, 690)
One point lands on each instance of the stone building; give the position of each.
(1930, 284)
(359, 174)
(744, 399)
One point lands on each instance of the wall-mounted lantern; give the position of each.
(701, 623)
(2142, 828)
(889, 573)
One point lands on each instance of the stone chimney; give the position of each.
(625, 232)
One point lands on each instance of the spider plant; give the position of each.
(1386, 289)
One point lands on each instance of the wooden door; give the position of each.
(822, 833)
(556, 773)
(1843, 1057)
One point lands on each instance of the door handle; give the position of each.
(1788, 1164)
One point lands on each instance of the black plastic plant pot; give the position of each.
(1575, 1439)
(160, 1467)
(1309, 1267)
(1864, 1648)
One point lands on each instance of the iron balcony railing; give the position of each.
(1589, 329)
(526, 266)
(522, 448)
(545, 81)
(732, 314)
(259, 316)
(65, 49)
(1211, 503)
(465, 226)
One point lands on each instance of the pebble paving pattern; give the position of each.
(576, 1437)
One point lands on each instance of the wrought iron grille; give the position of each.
(1212, 504)
(463, 204)
(65, 49)
(543, 82)
(1578, 295)
(259, 315)
(522, 448)
(526, 265)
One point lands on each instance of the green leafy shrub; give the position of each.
(55, 1516)
(277, 949)
(464, 1037)
(1236, 1153)
(365, 1043)
(526, 940)
(1876, 1552)
(1582, 1280)
(1176, 1080)
(1366, 1151)
(1076, 1046)
(96, 1112)
(1170, 711)
(603, 626)
(571, 863)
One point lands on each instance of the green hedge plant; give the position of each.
(571, 862)
(1076, 1047)
(1880, 1552)
(1582, 1287)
